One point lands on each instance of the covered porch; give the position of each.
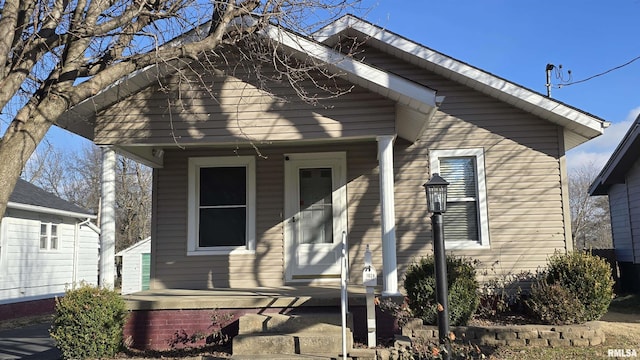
(170, 318)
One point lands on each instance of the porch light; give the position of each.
(436, 189)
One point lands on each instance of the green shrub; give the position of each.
(553, 304)
(585, 277)
(88, 323)
(420, 284)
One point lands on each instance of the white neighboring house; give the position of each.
(46, 244)
(136, 266)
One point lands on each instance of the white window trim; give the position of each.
(193, 195)
(478, 153)
(49, 225)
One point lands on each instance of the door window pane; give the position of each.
(316, 208)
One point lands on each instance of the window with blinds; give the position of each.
(466, 221)
(462, 198)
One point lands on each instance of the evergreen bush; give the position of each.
(420, 284)
(585, 277)
(88, 322)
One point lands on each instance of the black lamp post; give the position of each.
(436, 189)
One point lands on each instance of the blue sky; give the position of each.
(515, 39)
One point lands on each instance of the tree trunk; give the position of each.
(20, 141)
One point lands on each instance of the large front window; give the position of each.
(221, 205)
(466, 220)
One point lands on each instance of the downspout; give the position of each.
(76, 246)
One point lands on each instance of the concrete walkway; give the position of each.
(30, 342)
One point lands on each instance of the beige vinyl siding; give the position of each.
(522, 162)
(621, 222)
(173, 269)
(523, 177)
(233, 110)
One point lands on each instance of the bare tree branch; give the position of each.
(55, 54)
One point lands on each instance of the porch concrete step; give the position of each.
(290, 343)
(354, 354)
(282, 324)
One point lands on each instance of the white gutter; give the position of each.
(46, 210)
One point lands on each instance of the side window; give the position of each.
(44, 236)
(48, 236)
(221, 213)
(466, 219)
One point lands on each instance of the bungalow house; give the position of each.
(253, 187)
(620, 181)
(46, 245)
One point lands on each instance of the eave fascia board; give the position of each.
(582, 123)
(394, 87)
(50, 211)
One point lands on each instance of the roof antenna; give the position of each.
(548, 70)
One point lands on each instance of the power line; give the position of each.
(600, 74)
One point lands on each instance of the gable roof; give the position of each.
(623, 157)
(137, 247)
(414, 100)
(408, 94)
(579, 126)
(26, 196)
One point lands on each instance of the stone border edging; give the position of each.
(587, 334)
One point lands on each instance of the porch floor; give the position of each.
(237, 298)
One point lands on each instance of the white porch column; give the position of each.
(108, 219)
(388, 221)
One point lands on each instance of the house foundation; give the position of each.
(174, 318)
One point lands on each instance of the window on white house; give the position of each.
(221, 214)
(48, 236)
(466, 219)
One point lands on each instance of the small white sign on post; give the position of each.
(369, 276)
(370, 280)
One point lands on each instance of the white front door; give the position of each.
(315, 214)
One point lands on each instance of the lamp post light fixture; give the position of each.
(436, 191)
